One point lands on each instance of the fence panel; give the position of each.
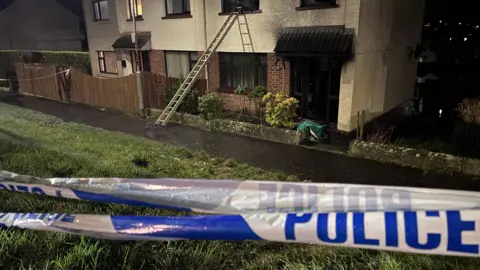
(42, 81)
(118, 94)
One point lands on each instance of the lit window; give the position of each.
(107, 62)
(137, 9)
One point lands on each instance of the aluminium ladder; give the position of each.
(245, 34)
(193, 75)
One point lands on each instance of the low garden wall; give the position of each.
(415, 158)
(241, 128)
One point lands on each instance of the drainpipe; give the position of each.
(206, 40)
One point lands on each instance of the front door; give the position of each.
(144, 61)
(316, 84)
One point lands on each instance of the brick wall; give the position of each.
(157, 62)
(278, 79)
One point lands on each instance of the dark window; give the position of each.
(248, 5)
(107, 62)
(100, 10)
(179, 64)
(175, 7)
(243, 69)
(137, 9)
(314, 3)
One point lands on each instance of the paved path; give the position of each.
(307, 163)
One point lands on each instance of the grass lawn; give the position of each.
(40, 145)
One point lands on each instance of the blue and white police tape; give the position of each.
(431, 232)
(230, 196)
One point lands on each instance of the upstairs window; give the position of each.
(317, 3)
(137, 9)
(248, 5)
(100, 10)
(177, 7)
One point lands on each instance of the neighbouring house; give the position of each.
(46, 25)
(337, 57)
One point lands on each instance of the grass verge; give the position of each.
(40, 145)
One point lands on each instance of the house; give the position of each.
(46, 25)
(337, 57)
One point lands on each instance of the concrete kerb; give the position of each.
(415, 158)
(285, 136)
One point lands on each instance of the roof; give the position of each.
(75, 6)
(315, 41)
(125, 41)
(5, 3)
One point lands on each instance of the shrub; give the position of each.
(79, 60)
(210, 106)
(242, 91)
(280, 110)
(469, 111)
(189, 103)
(256, 95)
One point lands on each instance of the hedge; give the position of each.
(80, 60)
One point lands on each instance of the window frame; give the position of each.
(102, 60)
(231, 88)
(129, 9)
(225, 12)
(191, 62)
(320, 5)
(97, 3)
(184, 11)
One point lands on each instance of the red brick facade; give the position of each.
(278, 80)
(278, 77)
(157, 62)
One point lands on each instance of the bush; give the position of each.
(210, 106)
(189, 103)
(256, 95)
(469, 111)
(280, 110)
(79, 60)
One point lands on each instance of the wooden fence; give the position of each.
(118, 94)
(44, 81)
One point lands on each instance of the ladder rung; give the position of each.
(189, 81)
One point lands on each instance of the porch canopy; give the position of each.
(125, 41)
(315, 41)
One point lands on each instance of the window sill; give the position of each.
(245, 12)
(101, 21)
(317, 7)
(107, 73)
(231, 90)
(136, 19)
(177, 16)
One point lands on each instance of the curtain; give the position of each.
(178, 64)
(243, 70)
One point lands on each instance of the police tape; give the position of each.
(230, 196)
(429, 232)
